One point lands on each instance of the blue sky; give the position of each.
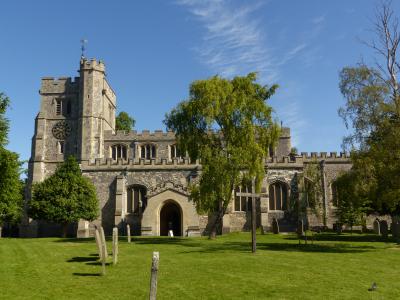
(154, 49)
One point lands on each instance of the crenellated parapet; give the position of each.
(299, 161)
(61, 85)
(133, 135)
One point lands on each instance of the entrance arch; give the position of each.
(171, 218)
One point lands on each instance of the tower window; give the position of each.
(58, 107)
(118, 151)
(174, 152)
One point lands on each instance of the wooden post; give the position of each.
(253, 218)
(115, 246)
(128, 232)
(153, 278)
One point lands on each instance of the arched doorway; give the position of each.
(170, 219)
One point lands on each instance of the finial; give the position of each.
(83, 48)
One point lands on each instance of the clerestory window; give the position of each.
(148, 151)
(118, 151)
(174, 152)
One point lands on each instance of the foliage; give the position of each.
(237, 110)
(124, 122)
(353, 199)
(294, 151)
(11, 187)
(311, 192)
(4, 104)
(64, 197)
(373, 110)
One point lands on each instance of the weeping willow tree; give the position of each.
(228, 125)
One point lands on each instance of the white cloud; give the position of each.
(318, 20)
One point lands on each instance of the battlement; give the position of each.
(53, 85)
(92, 64)
(133, 134)
(298, 161)
(139, 163)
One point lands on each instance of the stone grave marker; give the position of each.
(103, 257)
(153, 278)
(115, 245)
(384, 228)
(396, 230)
(128, 233)
(103, 241)
(275, 226)
(377, 226)
(98, 243)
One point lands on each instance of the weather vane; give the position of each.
(83, 48)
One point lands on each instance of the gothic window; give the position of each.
(60, 147)
(174, 152)
(242, 203)
(148, 151)
(137, 200)
(118, 151)
(58, 107)
(278, 196)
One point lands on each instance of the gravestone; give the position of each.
(115, 245)
(170, 233)
(153, 277)
(275, 226)
(128, 232)
(300, 228)
(396, 230)
(83, 229)
(384, 228)
(377, 226)
(98, 242)
(103, 241)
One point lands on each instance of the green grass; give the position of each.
(335, 267)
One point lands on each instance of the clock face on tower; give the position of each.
(61, 130)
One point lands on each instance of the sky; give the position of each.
(153, 50)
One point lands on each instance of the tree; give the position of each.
(228, 126)
(64, 197)
(124, 122)
(11, 188)
(373, 110)
(4, 104)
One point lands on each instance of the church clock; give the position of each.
(61, 130)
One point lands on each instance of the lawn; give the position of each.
(334, 267)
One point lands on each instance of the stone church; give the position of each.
(140, 177)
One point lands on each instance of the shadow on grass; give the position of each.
(82, 259)
(86, 274)
(366, 238)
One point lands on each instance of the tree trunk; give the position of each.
(1, 228)
(218, 220)
(64, 230)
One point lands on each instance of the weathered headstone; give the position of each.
(83, 229)
(396, 230)
(275, 226)
(128, 233)
(153, 278)
(170, 233)
(377, 226)
(103, 257)
(103, 241)
(300, 228)
(98, 243)
(384, 228)
(115, 245)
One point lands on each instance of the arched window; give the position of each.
(118, 151)
(174, 152)
(148, 151)
(137, 200)
(278, 196)
(242, 203)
